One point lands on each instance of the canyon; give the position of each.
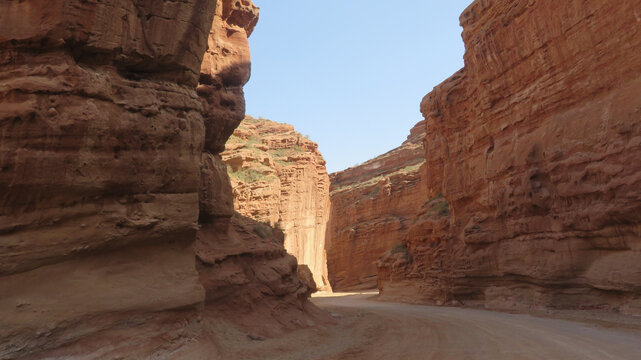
(144, 215)
(279, 178)
(533, 148)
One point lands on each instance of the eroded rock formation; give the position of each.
(102, 133)
(100, 142)
(249, 278)
(535, 149)
(373, 205)
(279, 178)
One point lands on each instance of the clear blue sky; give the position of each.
(351, 73)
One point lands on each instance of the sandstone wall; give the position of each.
(372, 206)
(249, 278)
(279, 178)
(534, 146)
(100, 138)
(102, 131)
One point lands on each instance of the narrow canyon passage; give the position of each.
(145, 215)
(368, 329)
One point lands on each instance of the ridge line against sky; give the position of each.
(351, 74)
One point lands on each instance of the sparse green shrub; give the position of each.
(249, 176)
(399, 248)
(262, 230)
(253, 141)
(278, 152)
(280, 155)
(438, 206)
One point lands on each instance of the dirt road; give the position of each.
(369, 329)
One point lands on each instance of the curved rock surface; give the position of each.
(249, 278)
(279, 178)
(534, 146)
(100, 139)
(103, 179)
(373, 205)
(251, 281)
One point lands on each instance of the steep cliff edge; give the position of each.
(279, 178)
(534, 148)
(373, 205)
(102, 131)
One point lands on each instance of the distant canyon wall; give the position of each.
(373, 205)
(102, 133)
(249, 278)
(279, 178)
(534, 147)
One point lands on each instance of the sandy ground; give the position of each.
(368, 329)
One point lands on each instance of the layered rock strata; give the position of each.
(373, 205)
(101, 144)
(534, 148)
(279, 178)
(249, 278)
(251, 281)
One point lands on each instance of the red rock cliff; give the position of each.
(101, 143)
(100, 139)
(534, 147)
(373, 205)
(279, 178)
(249, 278)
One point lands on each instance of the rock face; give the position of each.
(251, 281)
(534, 147)
(102, 133)
(279, 178)
(373, 205)
(100, 143)
(249, 278)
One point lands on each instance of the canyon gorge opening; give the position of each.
(144, 215)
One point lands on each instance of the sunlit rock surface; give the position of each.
(373, 205)
(534, 148)
(279, 178)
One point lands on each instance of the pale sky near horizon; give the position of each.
(351, 73)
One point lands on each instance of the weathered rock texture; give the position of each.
(373, 205)
(100, 142)
(535, 147)
(249, 278)
(101, 145)
(279, 178)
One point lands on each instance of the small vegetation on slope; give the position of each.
(438, 206)
(263, 230)
(280, 155)
(398, 249)
(373, 180)
(250, 175)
